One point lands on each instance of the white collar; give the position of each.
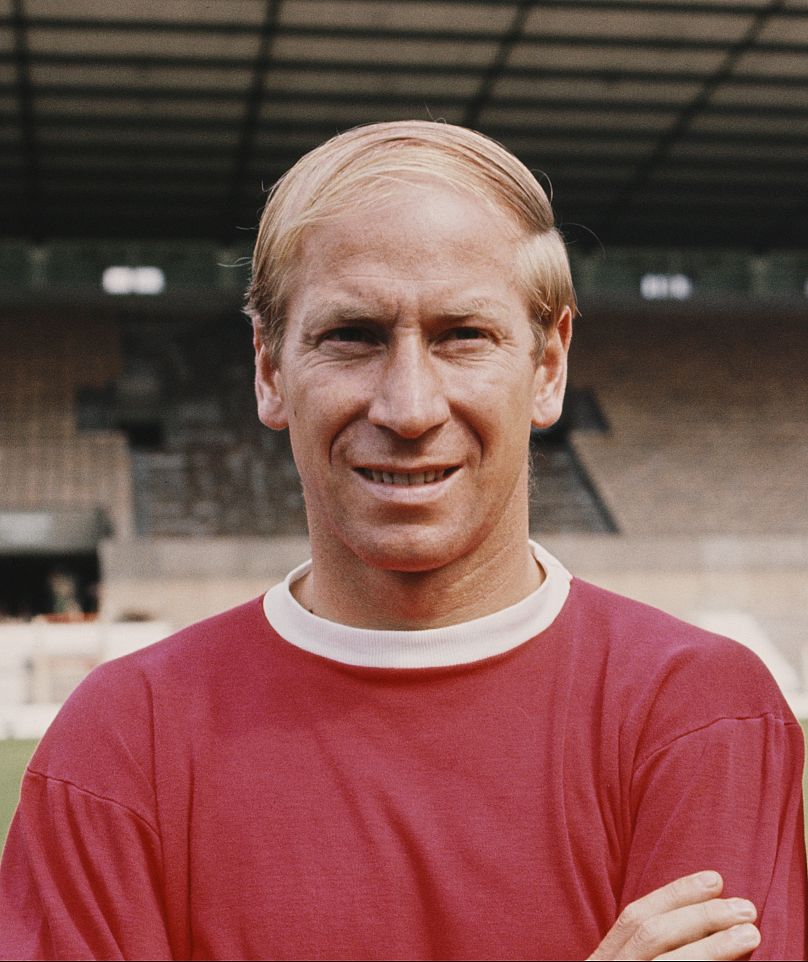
(423, 648)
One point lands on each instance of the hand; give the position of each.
(682, 920)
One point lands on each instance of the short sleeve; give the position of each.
(727, 796)
(82, 875)
(80, 878)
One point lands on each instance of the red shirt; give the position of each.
(226, 795)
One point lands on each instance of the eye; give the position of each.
(476, 336)
(351, 334)
(467, 341)
(466, 333)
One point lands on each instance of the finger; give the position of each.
(689, 890)
(738, 941)
(685, 926)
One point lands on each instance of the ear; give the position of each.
(551, 373)
(268, 386)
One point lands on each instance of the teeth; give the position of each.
(386, 477)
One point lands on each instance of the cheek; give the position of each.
(320, 416)
(501, 407)
(510, 436)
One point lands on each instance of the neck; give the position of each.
(343, 588)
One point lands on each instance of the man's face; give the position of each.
(408, 381)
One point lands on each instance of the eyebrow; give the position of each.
(349, 313)
(477, 307)
(338, 313)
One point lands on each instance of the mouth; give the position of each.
(407, 478)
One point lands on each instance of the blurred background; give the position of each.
(138, 491)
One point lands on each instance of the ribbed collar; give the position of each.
(424, 648)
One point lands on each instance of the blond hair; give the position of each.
(359, 167)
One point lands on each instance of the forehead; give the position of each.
(425, 236)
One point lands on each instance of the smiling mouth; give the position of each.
(406, 479)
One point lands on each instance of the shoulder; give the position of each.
(118, 712)
(186, 657)
(664, 675)
(216, 639)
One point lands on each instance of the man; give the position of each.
(430, 741)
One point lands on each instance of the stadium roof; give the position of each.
(658, 122)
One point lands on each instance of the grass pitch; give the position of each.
(14, 756)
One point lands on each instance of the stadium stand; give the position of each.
(44, 461)
(708, 411)
(209, 467)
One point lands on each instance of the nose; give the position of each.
(408, 396)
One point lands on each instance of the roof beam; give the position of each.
(400, 34)
(25, 117)
(491, 75)
(234, 28)
(275, 159)
(385, 69)
(250, 123)
(318, 128)
(645, 171)
(174, 94)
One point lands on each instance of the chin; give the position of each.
(406, 552)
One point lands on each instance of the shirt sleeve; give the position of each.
(728, 796)
(83, 873)
(80, 879)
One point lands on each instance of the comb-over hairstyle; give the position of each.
(360, 167)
